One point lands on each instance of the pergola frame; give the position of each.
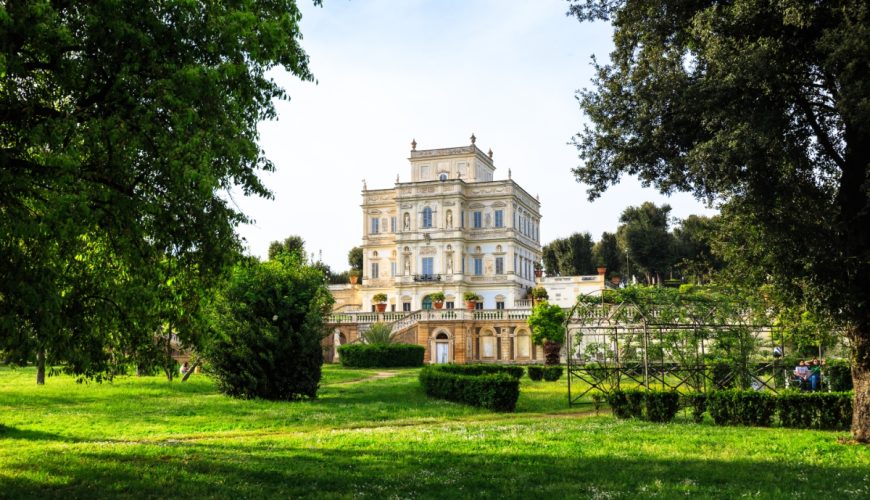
(666, 347)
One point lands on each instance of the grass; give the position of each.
(376, 438)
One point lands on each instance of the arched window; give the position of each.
(427, 217)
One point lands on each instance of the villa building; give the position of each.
(453, 228)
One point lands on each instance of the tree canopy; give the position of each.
(763, 107)
(122, 124)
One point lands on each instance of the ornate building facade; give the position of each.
(453, 228)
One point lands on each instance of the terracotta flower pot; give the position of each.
(470, 304)
(354, 280)
(381, 307)
(438, 305)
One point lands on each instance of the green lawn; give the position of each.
(376, 438)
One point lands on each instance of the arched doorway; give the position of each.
(427, 303)
(442, 348)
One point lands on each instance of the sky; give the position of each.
(389, 71)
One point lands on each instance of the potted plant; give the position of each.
(380, 300)
(471, 299)
(437, 299)
(547, 323)
(353, 276)
(539, 270)
(539, 294)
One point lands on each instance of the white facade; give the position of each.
(452, 229)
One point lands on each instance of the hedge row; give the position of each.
(655, 406)
(381, 355)
(550, 373)
(807, 410)
(496, 390)
(481, 369)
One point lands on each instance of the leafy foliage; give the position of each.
(553, 373)
(655, 406)
(292, 245)
(815, 410)
(536, 372)
(355, 258)
(736, 407)
(381, 355)
(571, 256)
(268, 323)
(122, 123)
(761, 106)
(547, 323)
(379, 334)
(643, 235)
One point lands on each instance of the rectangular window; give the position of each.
(393, 307)
(374, 271)
(427, 265)
(393, 224)
(478, 305)
(499, 265)
(499, 305)
(478, 266)
(499, 218)
(406, 306)
(461, 219)
(448, 305)
(477, 220)
(375, 222)
(392, 269)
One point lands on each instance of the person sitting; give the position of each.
(802, 375)
(815, 370)
(184, 368)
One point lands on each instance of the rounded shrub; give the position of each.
(536, 372)
(268, 322)
(553, 373)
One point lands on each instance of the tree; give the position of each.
(762, 106)
(268, 323)
(606, 252)
(693, 249)
(571, 256)
(643, 236)
(121, 123)
(292, 245)
(355, 258)
(547, 323)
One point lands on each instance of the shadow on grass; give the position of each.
(277, 469)
(7, 432)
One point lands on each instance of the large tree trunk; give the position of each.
(40, 366)
(861, 383)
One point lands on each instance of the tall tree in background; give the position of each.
(292, 245)
(644, 238)
(693, 248)
(355, 258)
(121, 123)
(571, 256)
(606, 252)
(764, 106)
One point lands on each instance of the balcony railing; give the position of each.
(427, 277)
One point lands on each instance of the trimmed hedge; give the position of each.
(536, 373)
(481, 369)
(553, 373)
(736, 407)
(655, 406)
(697, 401)
(381, 355)
(493, 389)
(815, 410)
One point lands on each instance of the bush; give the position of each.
(736, 407)
(655, 406)
(698, 402)
(553, 373)
(496, 390)
(268, 322)
(536, 373)
(381, 355)
(839, 375)
(661, 406)
(379, 333)
(618, 402)
(481, 369)
(721, 375)
(819, 410)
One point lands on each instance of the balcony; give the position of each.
(427, 277)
